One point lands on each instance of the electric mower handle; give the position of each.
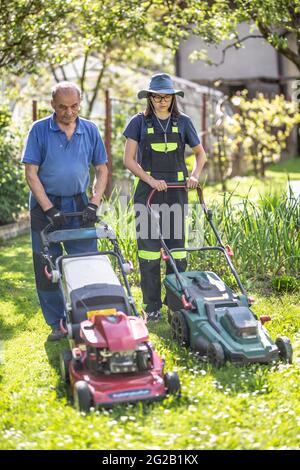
(81, 233)
(207, 212)
(186, 298)
(166, 253)
(177, 185)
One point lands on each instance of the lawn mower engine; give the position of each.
(114, 362)
(101, 360)
(107, 355)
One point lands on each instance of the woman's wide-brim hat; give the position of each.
(160, 83)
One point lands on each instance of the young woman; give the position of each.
(154, 153)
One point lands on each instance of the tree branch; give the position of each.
(53, 71)
(235, 45)
(96, 88)
(63, 72)
(82, 79)
(285, 51)
(75, 70)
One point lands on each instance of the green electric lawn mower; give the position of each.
(207, 316)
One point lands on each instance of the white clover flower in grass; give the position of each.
(112, 423)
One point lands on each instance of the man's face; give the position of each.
(66, 105)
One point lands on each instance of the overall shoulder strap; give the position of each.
(149, 125)
(175, 124)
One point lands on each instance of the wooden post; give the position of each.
(34, 110)
(107, 141)
(204, 124)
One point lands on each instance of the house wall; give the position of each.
(257, 66)
(241, 66)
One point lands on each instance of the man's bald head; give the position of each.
(65, 88)
(66, 103)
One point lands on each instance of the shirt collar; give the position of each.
(55, 127)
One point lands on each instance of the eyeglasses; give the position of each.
(159, 99)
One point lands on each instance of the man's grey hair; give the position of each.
(63, 87)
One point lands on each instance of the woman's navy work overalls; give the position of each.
(164, 161)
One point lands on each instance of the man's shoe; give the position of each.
(56, 335)
(156, 315)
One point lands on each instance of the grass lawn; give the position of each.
(276, 180)
(254, 407)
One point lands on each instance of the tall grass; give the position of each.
(264, 235)
(119, 214)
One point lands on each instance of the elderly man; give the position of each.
(57, 156)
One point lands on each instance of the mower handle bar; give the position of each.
(74, 214)
(81, 233)
(177, 185)
(225, 249)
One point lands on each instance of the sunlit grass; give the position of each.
(254, 407)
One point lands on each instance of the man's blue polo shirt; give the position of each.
(64, 164)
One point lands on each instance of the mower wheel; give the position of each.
(179, 329)
(82, 396)
(172, 383)
(64, 361)
(285, 349)
(215, 354)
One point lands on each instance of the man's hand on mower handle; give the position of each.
(158, 185)
(89, 214)
(55, 217)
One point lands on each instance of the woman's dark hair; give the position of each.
(173, 106)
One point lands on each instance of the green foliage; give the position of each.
(253, 407)
(5, 118)
(276, 180)
(122, 111)
(119, 214)
(285, 284)
(39, 30)
(29, 31)
(264, 236)
(13, 193)
(260, 127)
(273, 20)
(111, 33)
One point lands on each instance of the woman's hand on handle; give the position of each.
(192, 182)
(200, 159)
(158, 185)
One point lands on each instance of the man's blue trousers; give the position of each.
(49, 294)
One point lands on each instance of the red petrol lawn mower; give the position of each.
(111, 359)
(208, 316)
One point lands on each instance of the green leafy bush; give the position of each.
(285, 284)
(260, 128)
(121, 113)
(13, 192)
(264, 236)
